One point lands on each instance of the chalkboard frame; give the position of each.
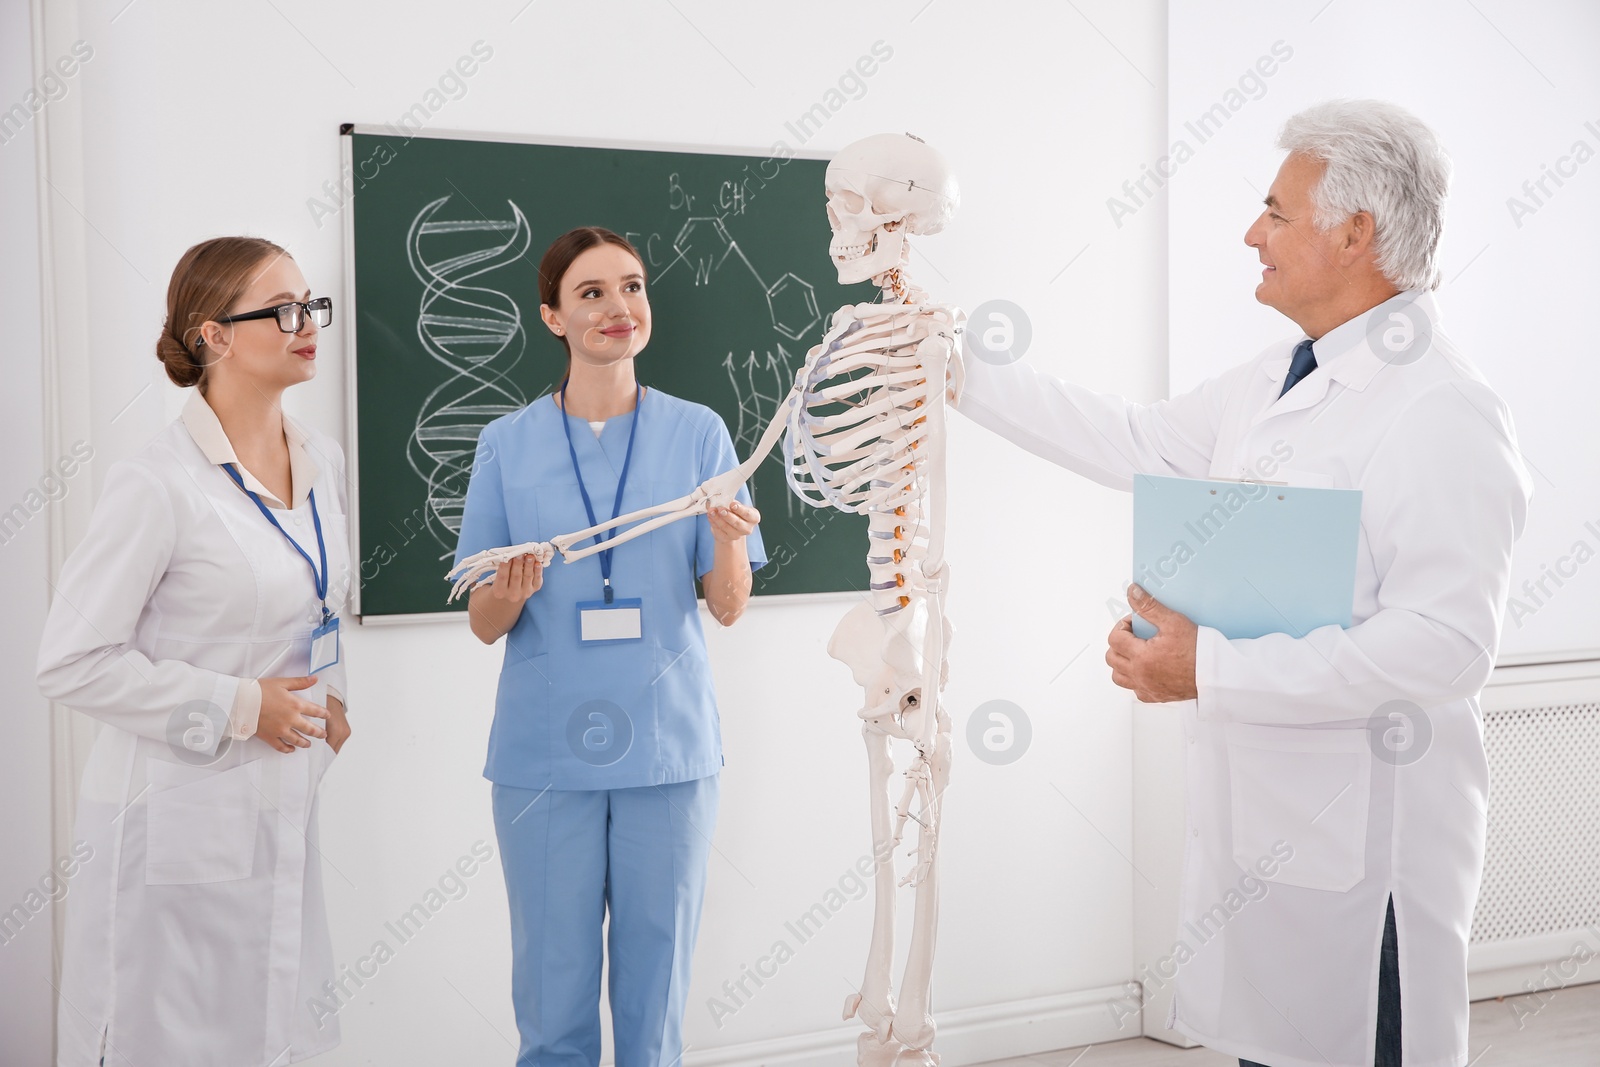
(349, 320)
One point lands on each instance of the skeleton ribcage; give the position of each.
(853, 443)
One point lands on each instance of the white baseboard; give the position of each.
(1541, 978)
(966, 1036)
(1533, 964)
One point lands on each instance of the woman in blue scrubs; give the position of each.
(605, 749)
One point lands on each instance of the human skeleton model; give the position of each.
(864, 432)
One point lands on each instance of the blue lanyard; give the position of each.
(616, 505)
(320, 579)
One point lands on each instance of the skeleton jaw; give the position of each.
(862, 254)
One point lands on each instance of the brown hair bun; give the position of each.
(208, 279)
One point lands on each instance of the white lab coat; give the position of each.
(197, 933)
(1278, 754)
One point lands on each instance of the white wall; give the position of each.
(25, 844)
(201, 119)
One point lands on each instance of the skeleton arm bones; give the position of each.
(722, 489)
(865, 335)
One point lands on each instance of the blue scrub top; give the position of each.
(612, 714)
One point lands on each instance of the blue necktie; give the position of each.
(1304, 362)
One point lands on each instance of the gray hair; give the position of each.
(1381, 159)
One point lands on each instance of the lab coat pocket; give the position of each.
(1301, 792)
(202, 822)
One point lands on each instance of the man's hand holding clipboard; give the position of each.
(1158, 669)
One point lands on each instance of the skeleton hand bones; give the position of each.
(479, 568)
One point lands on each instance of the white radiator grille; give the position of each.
(1542, 869)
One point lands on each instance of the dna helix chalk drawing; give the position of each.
(477, 332)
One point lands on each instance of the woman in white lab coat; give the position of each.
(184, 622)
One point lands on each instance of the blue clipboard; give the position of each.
(1246, 558)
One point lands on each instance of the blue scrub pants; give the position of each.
(569, 857)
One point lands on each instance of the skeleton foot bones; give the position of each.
(864, 432)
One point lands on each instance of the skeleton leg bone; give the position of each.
(914, 1025)
(874, 1004)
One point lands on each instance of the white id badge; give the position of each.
(324, 646)
(620, 620)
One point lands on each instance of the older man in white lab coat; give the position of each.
(1372, 830)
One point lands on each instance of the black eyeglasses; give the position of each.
(291, 316)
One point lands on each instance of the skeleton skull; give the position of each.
(881, 188)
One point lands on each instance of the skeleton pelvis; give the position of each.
(883, 652)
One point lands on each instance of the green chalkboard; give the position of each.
(444, 235)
